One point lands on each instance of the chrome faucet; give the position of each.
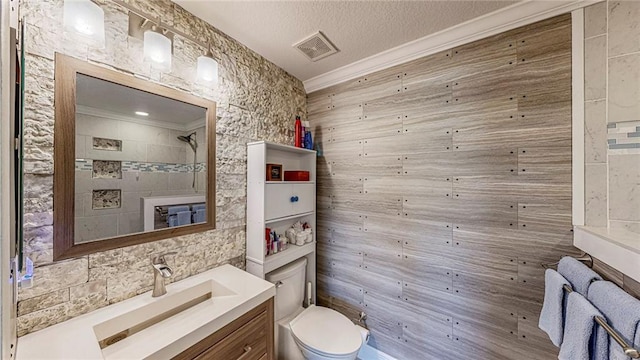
(161, 271)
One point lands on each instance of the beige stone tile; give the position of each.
(624, 88)
(595, 68)
(633, 226)
(56, 314)
(43, 301)
(103, 258)
(38, 244)
(595, 19)
(624, 27)
(59, 275)
(624, 187)
(88, 288)
(123, 279)
(595, 135)
(596, 195)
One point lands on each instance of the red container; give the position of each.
(296, 176)
(299, 133)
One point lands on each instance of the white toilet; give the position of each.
(314, 333)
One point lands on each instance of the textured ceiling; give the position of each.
(358, 28)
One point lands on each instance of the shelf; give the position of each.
(274, 146)
(616, 247)
(290, 182)
(271, 221)
(280, 259)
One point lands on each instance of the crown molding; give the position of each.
(507, 18)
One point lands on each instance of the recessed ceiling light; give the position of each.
(142, 113)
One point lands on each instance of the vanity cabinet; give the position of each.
(250, 337)
(277, 205)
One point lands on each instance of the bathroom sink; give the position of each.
(124, 325)
(144, 327)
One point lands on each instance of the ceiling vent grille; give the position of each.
(316, 47)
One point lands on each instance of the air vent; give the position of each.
(316, 47)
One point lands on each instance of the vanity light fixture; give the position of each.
(142, 113)
(158, 48)
(208, 68)
(85, 18)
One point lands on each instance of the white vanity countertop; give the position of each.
(76, 339)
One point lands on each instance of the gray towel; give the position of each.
(172, 210)
(184, 218)
(197, 207)
(552, 314)
(200, 216)
(578, 274)
(581, 333)
(622, 312)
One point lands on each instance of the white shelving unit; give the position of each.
(270, 204)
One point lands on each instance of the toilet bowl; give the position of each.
(323, 333)
(314, 333)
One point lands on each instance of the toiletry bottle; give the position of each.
(298, 136)
(308, 144)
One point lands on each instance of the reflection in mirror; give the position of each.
(140, 161)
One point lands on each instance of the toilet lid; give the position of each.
(326, 331)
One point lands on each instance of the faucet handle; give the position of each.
(159, 259)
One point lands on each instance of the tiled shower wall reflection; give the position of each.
(612, 115)
(151, 162)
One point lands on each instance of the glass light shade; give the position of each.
(86, 19)
(157, 50)
(208, 69)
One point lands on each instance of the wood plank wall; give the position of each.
(443, 183)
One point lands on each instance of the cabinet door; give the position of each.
(278, 201)
(305, 198)
(247, 343)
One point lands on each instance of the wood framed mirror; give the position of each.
(134, 160)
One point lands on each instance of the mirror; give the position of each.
(134, 160)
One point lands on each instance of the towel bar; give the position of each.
(586, 258)
(628, 350)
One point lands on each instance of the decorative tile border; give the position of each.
(105, 169)
(624, 135)
(107, 144)
(106, 199)
(136, 166)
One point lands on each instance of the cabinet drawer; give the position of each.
(247, 343)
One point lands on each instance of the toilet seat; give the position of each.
(326, 332)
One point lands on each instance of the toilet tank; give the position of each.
(290, 288)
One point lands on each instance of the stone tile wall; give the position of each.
(612, 114)
(256, 101)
